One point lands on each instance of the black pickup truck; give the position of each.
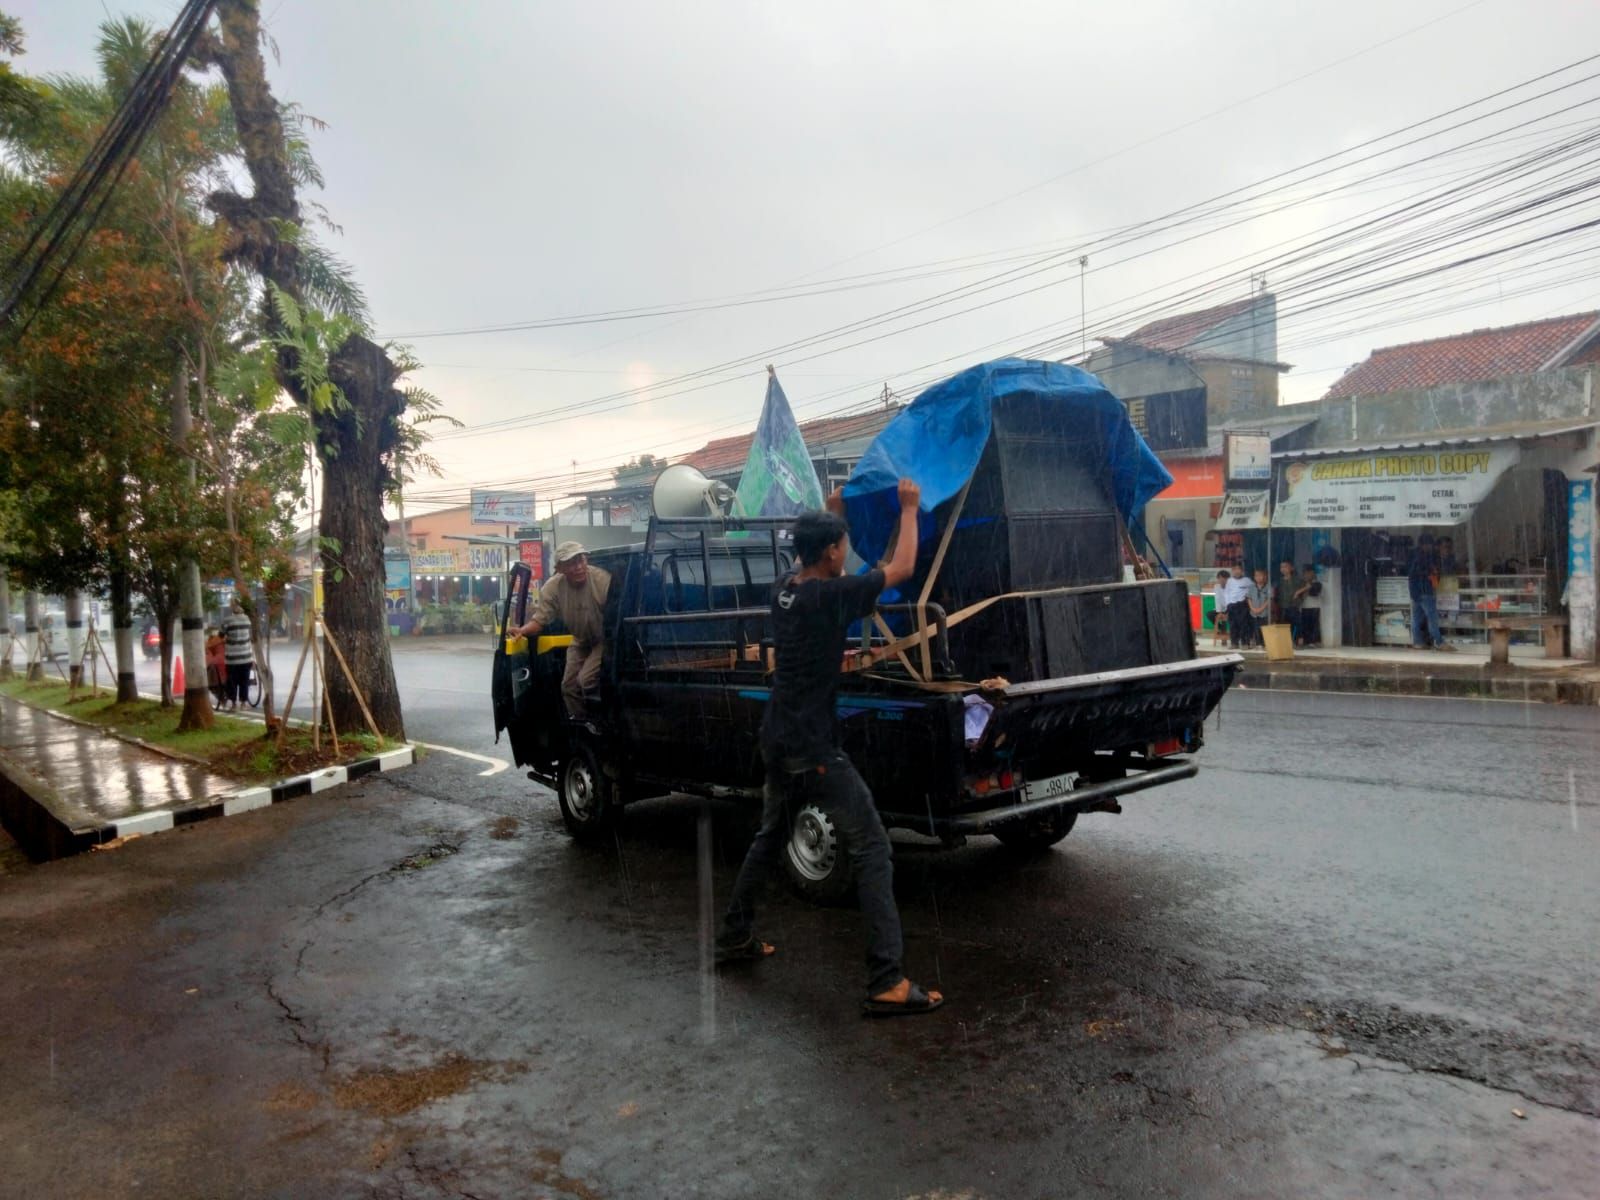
(1094, 687)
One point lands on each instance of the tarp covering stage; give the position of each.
(940, 437)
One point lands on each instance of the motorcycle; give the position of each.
(151, 642)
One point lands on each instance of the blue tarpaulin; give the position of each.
(939, 438)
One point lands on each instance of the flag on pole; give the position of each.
(778, 479)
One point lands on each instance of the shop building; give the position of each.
(1514, 408)
(1483, 445)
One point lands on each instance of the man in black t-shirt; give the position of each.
(812, 610)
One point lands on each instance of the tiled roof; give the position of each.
(1172, 334)
(1465, 357)
(727, 456)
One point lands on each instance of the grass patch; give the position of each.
(231, 747)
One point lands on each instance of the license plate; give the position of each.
(1049, 789)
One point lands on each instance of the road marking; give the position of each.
(496, 765)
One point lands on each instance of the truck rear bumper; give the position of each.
(1080, 799)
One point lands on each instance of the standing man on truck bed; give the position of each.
(576, 595)
(812, 609)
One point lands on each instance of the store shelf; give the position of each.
(1466, 605)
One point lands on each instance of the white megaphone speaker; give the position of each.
(682, 491)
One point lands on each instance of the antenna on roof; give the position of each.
(1258, 283)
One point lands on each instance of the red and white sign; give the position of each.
(532, 553)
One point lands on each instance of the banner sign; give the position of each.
(1245, 510)
(397, 584)
(434, 560)
(1248, 457)
(1580, 529)
(1390, 489)
(486, 558)
(503, 508)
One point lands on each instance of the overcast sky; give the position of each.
(502, 161)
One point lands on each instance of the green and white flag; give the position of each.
(778, 479)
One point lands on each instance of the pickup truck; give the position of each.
(1029, 684)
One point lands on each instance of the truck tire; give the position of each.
(1035, 834)
(586, 794)
(815, 858)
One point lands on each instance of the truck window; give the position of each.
(739, 579)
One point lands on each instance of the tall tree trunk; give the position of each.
(166, 614)
(353, 485)
(30, 618)
(74, 605)
(6, 637)
(122, 630)
(196, 696)
(352, 443)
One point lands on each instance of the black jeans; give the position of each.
(839, 791)
(238, 681)
(1311, 626)
(1241, 627)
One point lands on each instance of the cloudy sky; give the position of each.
(505, 162)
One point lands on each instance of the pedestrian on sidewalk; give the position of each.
(1219, 609)
(216, 664)
(812, 610)
(1309, 596)
(1422, 578)
(237, 654)
(1237, 594)
(1260, 605)
(1288, 598)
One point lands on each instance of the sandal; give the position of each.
(752, 949)
(917, 1001)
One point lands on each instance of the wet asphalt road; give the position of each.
(1338, 963)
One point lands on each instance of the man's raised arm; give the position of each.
(903, 562)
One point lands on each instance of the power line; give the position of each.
(52, 245)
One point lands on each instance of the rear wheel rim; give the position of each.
(813, 844)
(578, 788)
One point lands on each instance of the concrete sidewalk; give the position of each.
(1404, 671)
(66, 786)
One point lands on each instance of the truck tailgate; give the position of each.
(1106, 710)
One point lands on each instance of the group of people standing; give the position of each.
(1246, 604)
(229, 656)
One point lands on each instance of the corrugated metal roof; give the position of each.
(1511, 432)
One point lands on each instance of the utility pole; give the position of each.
(191, 608)
(1083, 307)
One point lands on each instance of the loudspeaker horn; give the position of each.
(682, 491)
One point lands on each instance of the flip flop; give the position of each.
(751, 950)
(916, 1003)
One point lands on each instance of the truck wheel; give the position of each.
(585, 794)
(815, 858)
(1037, 833)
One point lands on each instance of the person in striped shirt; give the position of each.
(237, 653)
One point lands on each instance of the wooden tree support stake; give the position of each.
(327, 702)
(366, 712)
(294, 685)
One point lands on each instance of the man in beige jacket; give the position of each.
(576, 596)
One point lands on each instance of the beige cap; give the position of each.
(568, 551)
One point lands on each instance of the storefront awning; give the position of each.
(1518, 432)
